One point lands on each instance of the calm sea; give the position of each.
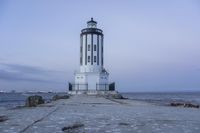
(162, 98)
(9, 100)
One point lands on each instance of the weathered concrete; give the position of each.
(92, 114)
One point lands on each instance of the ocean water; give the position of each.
(9, 100)
(164, 98)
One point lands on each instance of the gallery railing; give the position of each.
(102, 87)
(99, 87)
(105, 87)
(78, 87)
(91, 30)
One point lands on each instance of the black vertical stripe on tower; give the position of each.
(102, 50)
(81, 50)
(86, 49)
(97, 49)
(91, 49)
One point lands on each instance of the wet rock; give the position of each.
(57, 97)
(33, 101)
(75, 128)
(3, 118)
(124, 124)
(186, 105)
(115, 96)
(176, 104)
(189, 105)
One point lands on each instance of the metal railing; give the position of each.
(99, 87)
(91, 30)
(80, 87)
(102, 87)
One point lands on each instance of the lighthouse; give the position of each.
(91, 76)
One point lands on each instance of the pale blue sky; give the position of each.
(149, 45)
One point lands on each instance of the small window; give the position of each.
(81, 49)
(88, 58)
(88, 47)
(95, 58)
(81, 60)
(95, 47)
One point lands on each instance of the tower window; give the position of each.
(95, 58)
(89, 47)
(81, 49)
(81, 61)
(95, 47)
(88, 58)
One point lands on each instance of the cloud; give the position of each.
(16, 72)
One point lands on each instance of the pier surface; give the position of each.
(92, 114)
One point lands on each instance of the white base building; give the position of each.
(91, 81)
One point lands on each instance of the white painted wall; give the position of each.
(91, 74)
(88, 67)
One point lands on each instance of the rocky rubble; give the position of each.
(74, 128)
(185, 105)
(3, 118)
(57, 97)
(33, 101)
(115, 96)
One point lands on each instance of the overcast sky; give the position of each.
(149, 45)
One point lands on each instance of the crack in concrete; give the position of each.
(27, 127)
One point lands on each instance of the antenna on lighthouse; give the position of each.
(92, 23)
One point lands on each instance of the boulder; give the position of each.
(176, 104)
(3, 118)
(57, 97)
(74, 128)
(33, 101)
(189, 105)
(115, 96)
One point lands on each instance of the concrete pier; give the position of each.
(93, 114)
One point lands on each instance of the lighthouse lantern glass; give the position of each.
(92, 25)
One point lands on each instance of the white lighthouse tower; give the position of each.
(92, 74)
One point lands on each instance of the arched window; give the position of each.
(95, 47)
(95, 58)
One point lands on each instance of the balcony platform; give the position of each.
(91, 92)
